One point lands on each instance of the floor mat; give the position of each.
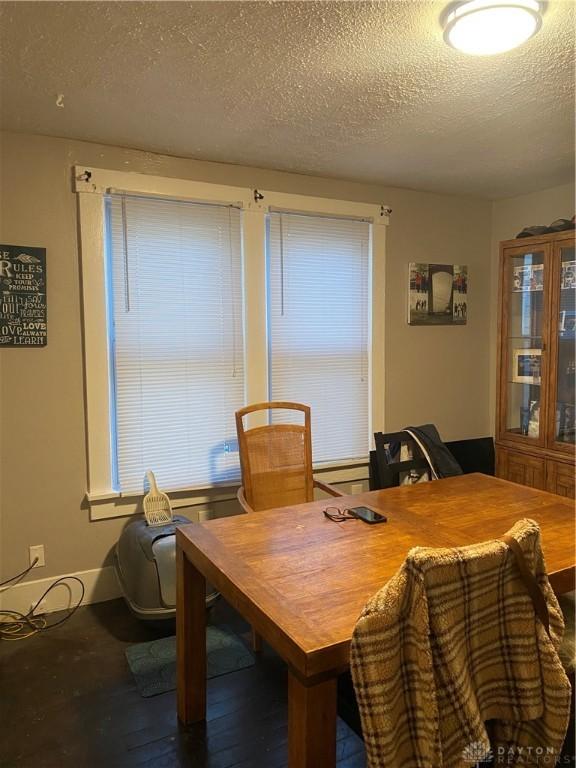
(153, 664)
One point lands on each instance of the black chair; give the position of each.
(391, 465)
(474, 455)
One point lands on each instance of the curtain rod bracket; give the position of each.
(258, 196)
(385, 210)
(86, 176)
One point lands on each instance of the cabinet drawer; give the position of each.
(560, 478)
(521, 468)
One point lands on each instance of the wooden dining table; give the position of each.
(301, 580)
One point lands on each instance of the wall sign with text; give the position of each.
(22, 296)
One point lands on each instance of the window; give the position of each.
(175, 334)
(199, 298)
(318, 313)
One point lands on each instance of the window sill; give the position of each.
(105, 506)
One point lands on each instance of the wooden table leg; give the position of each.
(311, 723)
(190, 640)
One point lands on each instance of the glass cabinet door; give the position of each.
(523, 333)
(563, 378)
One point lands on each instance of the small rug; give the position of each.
(153, 664)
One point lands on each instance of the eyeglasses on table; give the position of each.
(338, 515)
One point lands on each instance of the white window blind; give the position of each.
(176, 343)
(318, 311)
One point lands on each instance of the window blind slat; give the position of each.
(318, 279)
(175, 317)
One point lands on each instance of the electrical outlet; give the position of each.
(37, 551)
(357, 488)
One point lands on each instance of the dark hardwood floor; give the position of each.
(68, 700)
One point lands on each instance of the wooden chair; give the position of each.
(276, 461)
(276, 465)
(482, 571)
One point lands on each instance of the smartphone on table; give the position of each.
(368, 515)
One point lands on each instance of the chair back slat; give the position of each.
(392, 469)
(276, 459)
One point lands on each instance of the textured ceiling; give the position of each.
(355, 90)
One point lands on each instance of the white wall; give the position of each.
(439, 374)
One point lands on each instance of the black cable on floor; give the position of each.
(25, 625)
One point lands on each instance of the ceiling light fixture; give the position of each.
(486, 27)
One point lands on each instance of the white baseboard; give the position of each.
(100, 584)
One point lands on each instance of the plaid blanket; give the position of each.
(451, 666)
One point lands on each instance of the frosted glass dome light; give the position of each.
(486, 27)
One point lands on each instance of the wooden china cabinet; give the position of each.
(535, 423)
